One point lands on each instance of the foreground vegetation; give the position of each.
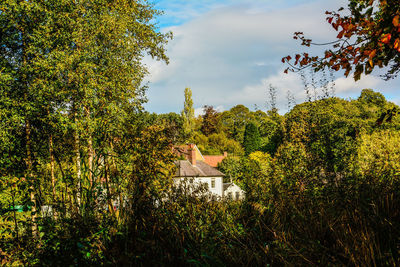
(321, 181)
(328, 194)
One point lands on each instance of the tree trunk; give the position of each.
(77, 164)
(109, 195)
(90, 147)
(52, 163)
(29, 164)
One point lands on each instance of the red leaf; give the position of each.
(396, 21)
(386, 38)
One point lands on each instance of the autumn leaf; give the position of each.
(372, 54)
(396, 21)
(386, 38)
(397, 44)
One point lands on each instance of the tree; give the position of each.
(173, 124)
(379, 155)
(188, 115)
(234, 121)
(272, 98)
(367, 38)
(252, 139)
(71, 72)
(370, 97)
(210, 123)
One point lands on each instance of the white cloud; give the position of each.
(200, 110)
(230, 54)
(348, 85)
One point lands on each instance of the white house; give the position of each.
(233, 192)
(193, 169)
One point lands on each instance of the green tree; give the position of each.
(188, 115)
(234, 121)
(379, 155)
(173, 124)
(72, 73)
(252, 139)
(368, 96)
(210, 123)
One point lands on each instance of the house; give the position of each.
(233, 192)
(193, 168)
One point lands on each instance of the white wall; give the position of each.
(234, 189)
(217, 190)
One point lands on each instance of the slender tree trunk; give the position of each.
(30, 177)
(109, 199)
(28, 129)
(52, 164)
(77, 163)
(15, 216)
(90, 147)
(52, 174)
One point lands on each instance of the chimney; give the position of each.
(225, 154)
(192, 154)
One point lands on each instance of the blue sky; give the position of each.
(229, 51)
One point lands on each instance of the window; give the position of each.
(237, 194)
(229, 195)
(212, 182)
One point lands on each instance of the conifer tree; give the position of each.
(188, 115)
(252, 139)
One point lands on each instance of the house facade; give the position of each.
(193, 169)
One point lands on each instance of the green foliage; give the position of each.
(188, 115)
(210, 122)
(324, 191)
(368, 96)
(252, 139)
(379, 155)
(217, 144)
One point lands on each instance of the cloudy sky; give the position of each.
(229, 52)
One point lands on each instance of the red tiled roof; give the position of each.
(213, 160)
(184, 151)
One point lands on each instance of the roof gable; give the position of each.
(202, 169)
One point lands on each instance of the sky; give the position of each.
(229, 52)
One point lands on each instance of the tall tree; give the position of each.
(252, 139)
(72, 72)
(210, 123)
(188, 115)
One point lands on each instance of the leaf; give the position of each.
(396, 21)
(386, 38)
(397, 44)
(372, 54)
